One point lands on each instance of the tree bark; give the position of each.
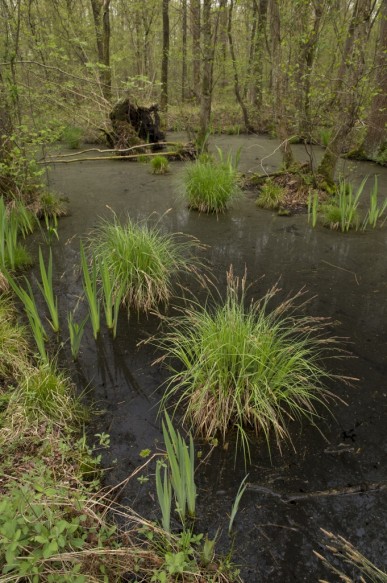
(257, 54)
(195, 26)
(278, 85)
(165, 57)
(238, 96)
(101, 16)
(206, 86)
(184, 52)
(375, 137)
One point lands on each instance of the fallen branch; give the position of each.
(114, 150)
(99, 158)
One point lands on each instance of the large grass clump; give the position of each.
(238, 367)
(271, 195)
(142, 260)
(211, 186)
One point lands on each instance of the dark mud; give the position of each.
(333, 479)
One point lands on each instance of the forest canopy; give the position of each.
(308, 70)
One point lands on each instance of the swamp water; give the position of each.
(333, 479)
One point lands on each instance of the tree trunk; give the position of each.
(238, 96)
(348, 102)
(278, 85)
(257, 56)
(184, 52)
(101, 16)
(375, 137)
(195, 25)
(165, 57)
(206, 87)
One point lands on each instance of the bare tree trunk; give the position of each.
(184, 52)
(195, 25)
(348, 101)
(165, 58)
(257, 57)
(375, 137)
(101, 16)
(238, 96)
(278, 85)
(206, 87)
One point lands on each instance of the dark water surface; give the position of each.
(346, 279)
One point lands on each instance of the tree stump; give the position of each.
(133, 125)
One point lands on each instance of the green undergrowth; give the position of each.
(56, 522)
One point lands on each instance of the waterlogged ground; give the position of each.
(333, 479)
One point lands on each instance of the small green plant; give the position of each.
(240, 367)
(181, 463)
(141, 260)
(342, 214)
(375, 211)
(235, 506)
(51, 205)
(90, 287)
(72, 136)
(51, 222)
(14, 220)
(76, 331)
(212, 186)
(46, 287)
(160, 165)
(112, 296)
(325, 136)
(164, 495)
(143, 159)
(271, 195)
(28, 300)
(313, 207)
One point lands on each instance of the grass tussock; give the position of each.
(271, 195)
(142, 260)
(212, 186)
(14, 349)
(253, 367)
(360, 567)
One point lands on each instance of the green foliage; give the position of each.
(14, 221)
(164, 495)
(91, 291)
(112, 296)
(375, 211)
(46, 393)
(342, 213)
(325, 136)
(160, 165)
(46, 287)
(72, 137)
(13, 342)
(212, 186)
(28, 300)
(313, 207)
(141, 260)
(271, 195)
(240, 367)
(51, 205)
(235, 506)
(181, 464)
(76, 331)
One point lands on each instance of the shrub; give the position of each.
(72, 136)
(160, 165)
(142, 260)
(238, 367)
(271, 195)
(212, 186)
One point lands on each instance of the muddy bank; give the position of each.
(346, 279)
